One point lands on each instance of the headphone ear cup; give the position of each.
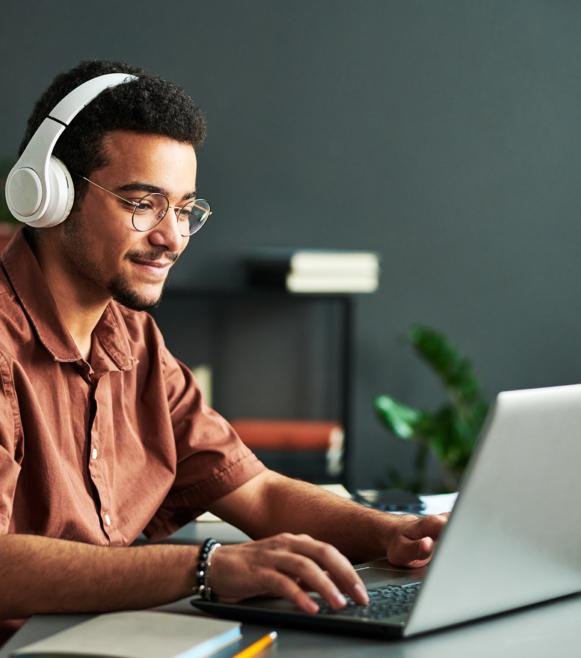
(61, 193)
(67, 192)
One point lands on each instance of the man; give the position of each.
(103, 434)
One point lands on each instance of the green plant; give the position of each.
(451, 431)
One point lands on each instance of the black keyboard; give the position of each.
(383, 602)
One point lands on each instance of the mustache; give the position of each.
(154, 255)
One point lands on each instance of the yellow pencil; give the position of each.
(258, 646)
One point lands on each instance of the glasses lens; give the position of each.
(193, 216)
(150, 211)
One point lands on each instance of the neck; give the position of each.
(80, 304)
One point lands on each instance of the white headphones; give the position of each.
(39, 189)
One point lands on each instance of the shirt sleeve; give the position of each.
(11, 445)
(212, 461)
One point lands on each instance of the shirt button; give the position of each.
(94, 454)
(107, 519)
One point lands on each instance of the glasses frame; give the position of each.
(135, 205)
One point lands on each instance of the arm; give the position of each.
(45, 575)
(41, 575)
(271, 503)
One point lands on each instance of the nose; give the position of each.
(166, 233)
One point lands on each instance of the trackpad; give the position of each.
(382, 573)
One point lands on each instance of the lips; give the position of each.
(156, 268)
(152, 263)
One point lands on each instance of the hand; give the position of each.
(414, 539)
(282, 566)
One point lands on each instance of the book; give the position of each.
(314, 270)
(337, 283)
(142, 634)
(265, 434)
(295, 435)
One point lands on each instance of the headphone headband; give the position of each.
(39, 189)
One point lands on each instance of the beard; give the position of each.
(122, 293)
(81, 264)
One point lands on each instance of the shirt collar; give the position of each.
(36, 298)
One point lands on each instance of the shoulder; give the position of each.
(145, 341)
(15, 327)
(7, 294)
(141, 327)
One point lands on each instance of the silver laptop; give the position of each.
(513, 538)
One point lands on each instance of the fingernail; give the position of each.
(312, 606)
(339, 600)
(361, 593)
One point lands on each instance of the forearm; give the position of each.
(284, 505)
(358, 532)
(41, 575)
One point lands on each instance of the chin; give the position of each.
(132, 298)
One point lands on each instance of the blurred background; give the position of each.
(445, 136)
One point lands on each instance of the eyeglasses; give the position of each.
(152, 208)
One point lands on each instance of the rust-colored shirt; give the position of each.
(99, 452)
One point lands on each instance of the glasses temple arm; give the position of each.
(132, 203)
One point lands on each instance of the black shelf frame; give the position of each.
(347, 341)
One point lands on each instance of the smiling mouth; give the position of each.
(155, 269)
(152, 263)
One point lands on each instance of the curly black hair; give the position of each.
(148, 105)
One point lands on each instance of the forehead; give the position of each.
(150, 159)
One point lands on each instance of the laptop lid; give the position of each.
(514, 537)
(512, 540)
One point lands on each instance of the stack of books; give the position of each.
(314, 270)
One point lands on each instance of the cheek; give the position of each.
(185, 243)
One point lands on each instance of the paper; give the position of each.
(338, 489)
(439, 503)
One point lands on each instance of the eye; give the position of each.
(185, 213)
(144, 205)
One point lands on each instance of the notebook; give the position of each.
(138, 635)
(512, 539)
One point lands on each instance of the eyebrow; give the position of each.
(151, 189)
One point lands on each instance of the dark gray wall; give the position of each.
(446, 135)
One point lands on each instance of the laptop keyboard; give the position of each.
(384, 602)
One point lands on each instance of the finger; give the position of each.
(360, 596)
(340, 570)
(427, 526)
(315, 579)
(266, 579)
(338, 567)
(412, 552)
(281, 585)
(247, 570)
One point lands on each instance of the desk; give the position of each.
(196, 533)
(551, 629)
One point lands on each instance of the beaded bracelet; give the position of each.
(202, 586)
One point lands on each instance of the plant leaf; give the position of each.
(397, 417)
(451, 366)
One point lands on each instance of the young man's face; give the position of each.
(102, 250)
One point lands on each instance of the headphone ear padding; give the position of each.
(61, 195)
(70, 191)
